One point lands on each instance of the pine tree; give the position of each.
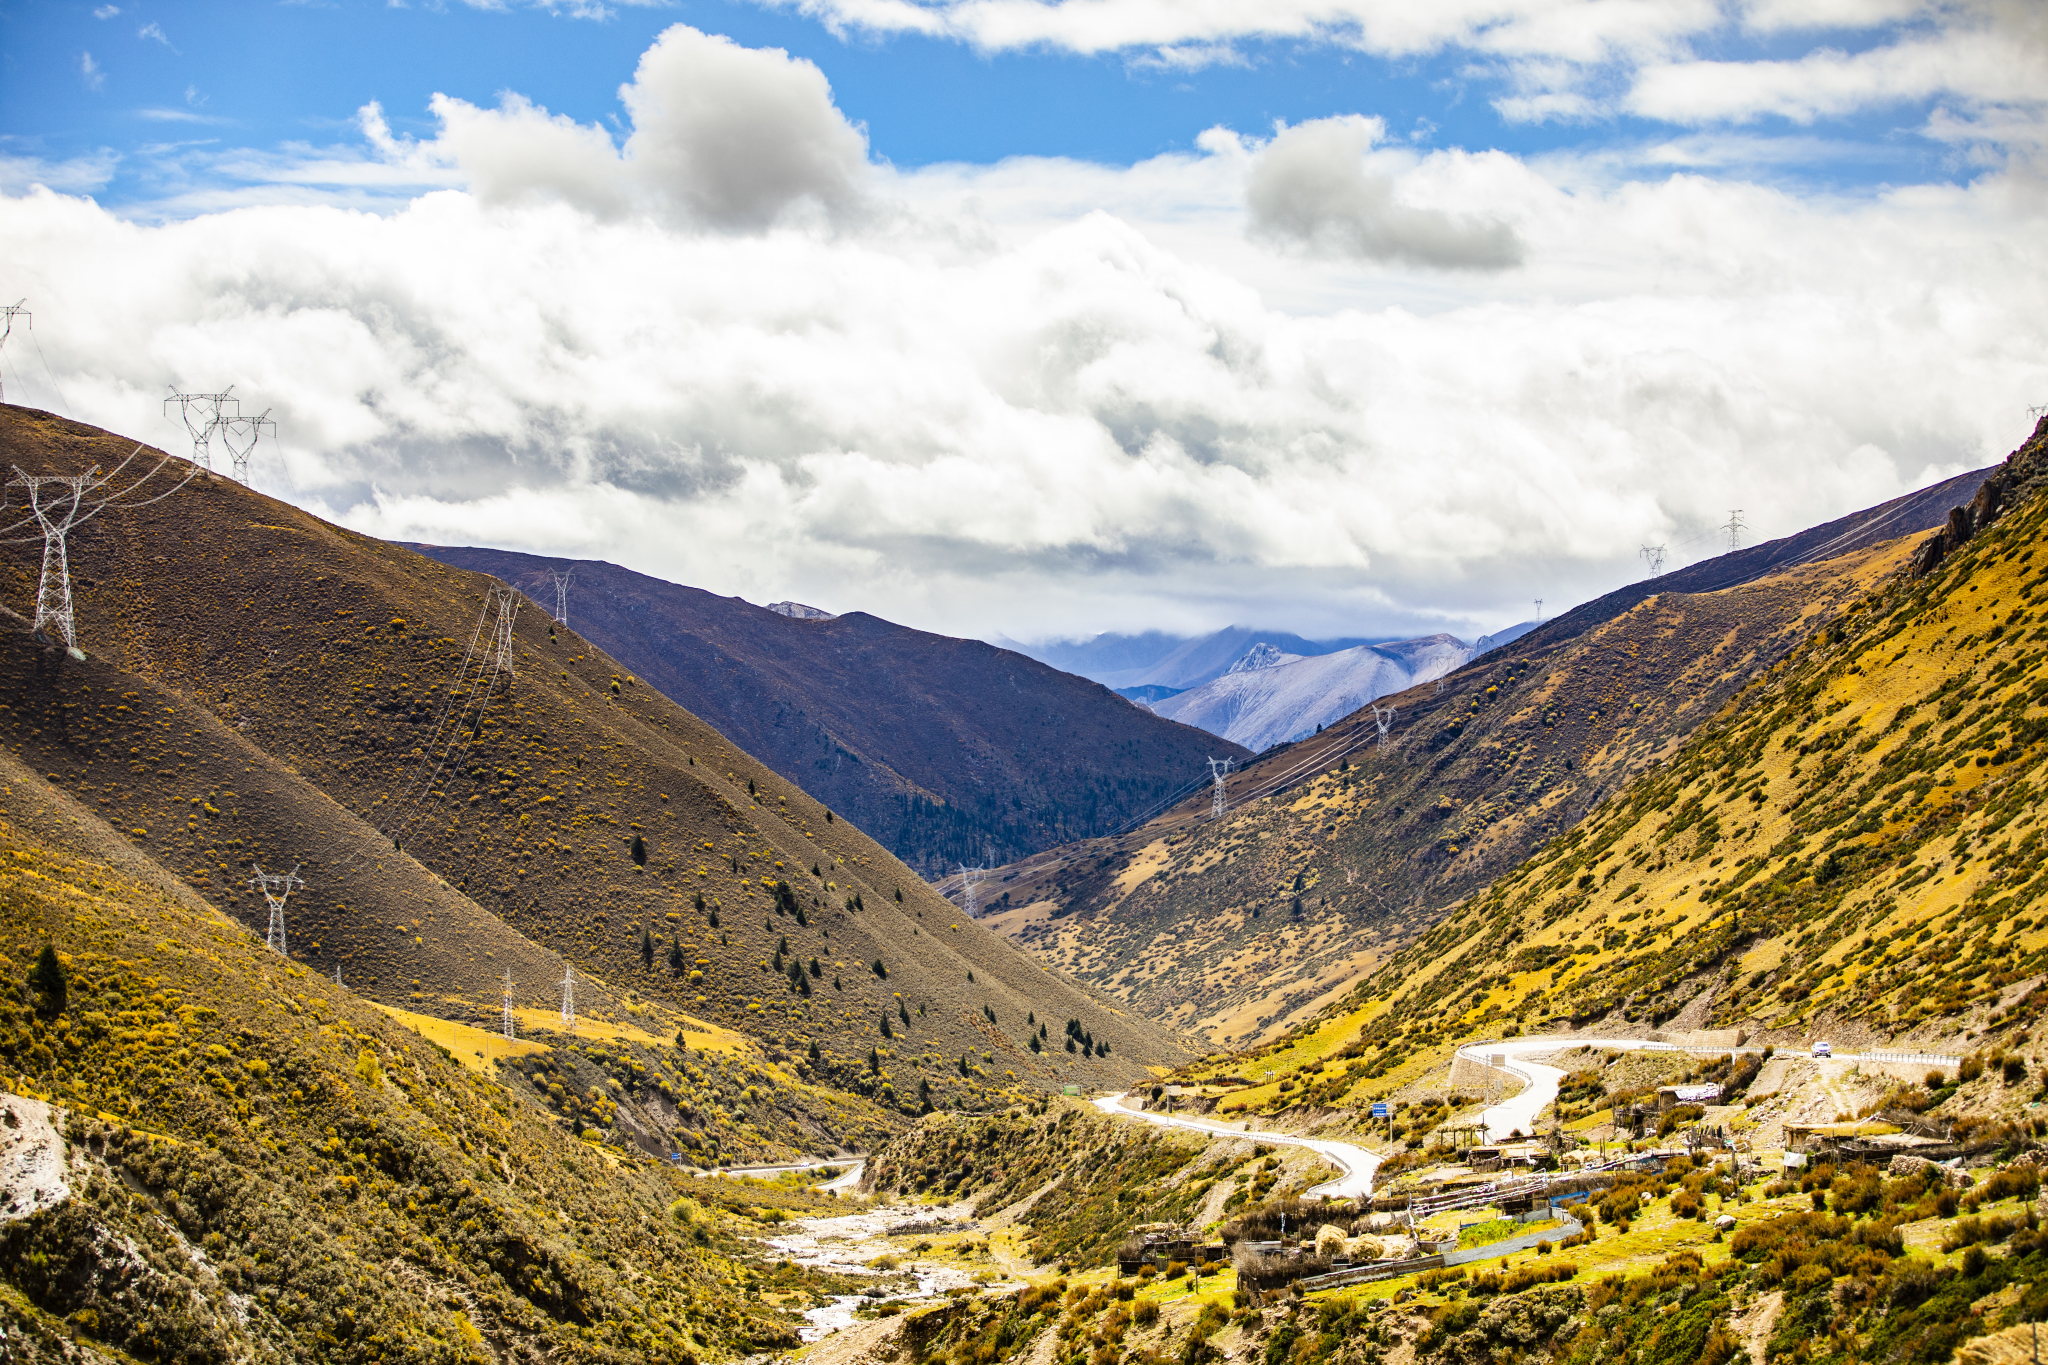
(646, 947)
(675, 956)
(639, 851)
(47, 979)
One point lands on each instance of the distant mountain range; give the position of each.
(1258, 687)
(946, 751)
(1268, 697)
(1176, 662)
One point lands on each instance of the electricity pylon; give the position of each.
(508, 609)
(58, 504)
(13, 311)
(1219, 768)
(240, 434)
(203, 415)
(1734, 527)
(561, 577)
(1539, 611)
(277, 888)
(511, 1029)
(568, 1000)
(969, 878)
(1383, 717)
(1653, 555)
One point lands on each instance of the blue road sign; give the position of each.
(1382, 1110)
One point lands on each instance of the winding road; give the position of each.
(1501, 1120)
(1356, 1163)
(1540, 1088)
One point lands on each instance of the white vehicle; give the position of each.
(1823, 1049)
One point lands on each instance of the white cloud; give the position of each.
(723, 136)
(1046, 396)
(91, 73)
(1312, 187)
(106, 11)
(154, 32)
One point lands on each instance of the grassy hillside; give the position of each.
(946, 750)
(266, 688)
(1342, 848)
(263, 1166)
(1850, 850)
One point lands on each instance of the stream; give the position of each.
(845, 1244)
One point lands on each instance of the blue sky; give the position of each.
(270, 75)
(1045, 317)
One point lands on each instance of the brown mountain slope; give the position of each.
(265, 687)
(946, 750)
(1850, 851)
(1342, 847)
(259, 1165)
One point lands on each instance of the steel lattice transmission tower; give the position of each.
(1653, 555)
(511, 1028)
(568, 1000)
(12, 311)
(561, 577)
(240, 434)
(277, 888)
(507, 601)
(57, 505)
(1383, 718)
(1734, 527)
(1219, 768)
(970, 877)
(203, 415)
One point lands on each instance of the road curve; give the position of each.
(1356, 1163)
(1502, 1120)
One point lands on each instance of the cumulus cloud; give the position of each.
(1060, 425)
(1313, 187)
(723, 136)
(1045, 396)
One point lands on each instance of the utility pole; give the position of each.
(58, 504)
(1653, 555)
(203, 415)
(13, 311)
(561, 577)
(1735, 527)
(234, 430)
(277, 888)
(511, 1029)
(568, 1000)
(1219, 768)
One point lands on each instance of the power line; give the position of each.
(59, 504)
(568, 1000)
(507, 599)
(1383, 720)
(1734, 526)
(511, 1029)
(13, 311)
(277, 888)
(1219, 768)
(561, 577)
(234, 430)
(203, 415)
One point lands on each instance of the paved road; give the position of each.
(1356, 1163)
(1541, 1081)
